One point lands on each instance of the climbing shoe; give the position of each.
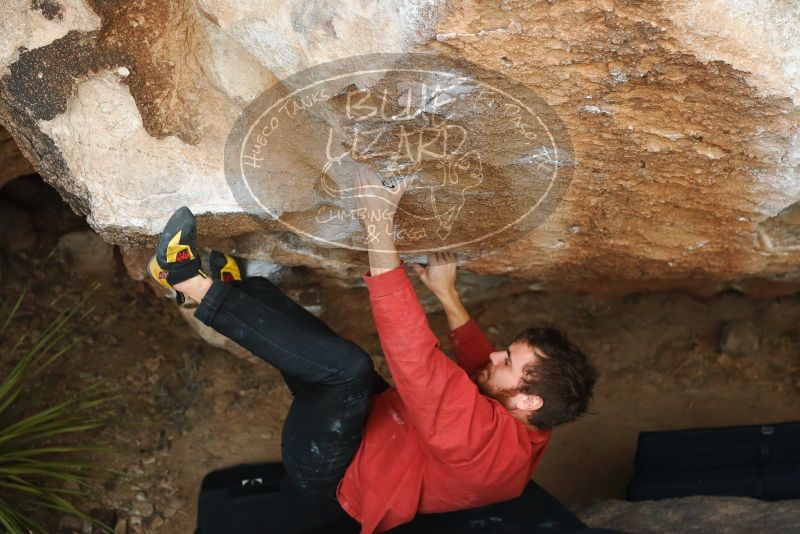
(160, 276)
(224, 267)
(176, 252)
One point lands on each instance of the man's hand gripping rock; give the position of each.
(377, 206)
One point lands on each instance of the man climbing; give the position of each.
(448, 436)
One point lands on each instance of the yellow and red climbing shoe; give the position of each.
(160, 276)
(224, 267)
(177, 258)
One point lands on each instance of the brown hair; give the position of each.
(563, 378)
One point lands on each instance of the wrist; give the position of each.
(383, 258)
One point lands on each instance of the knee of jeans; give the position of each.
(357, 369)
(364, 371)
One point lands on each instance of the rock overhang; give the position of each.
(685, 138)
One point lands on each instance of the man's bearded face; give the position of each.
(500, 377)
(482, 378)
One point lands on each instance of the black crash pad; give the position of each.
(534, 512)
(759, 461)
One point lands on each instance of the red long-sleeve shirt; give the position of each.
(433, 443)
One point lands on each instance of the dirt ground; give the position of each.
(192, 408)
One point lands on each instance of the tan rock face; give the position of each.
(681, 122)
(680, 157)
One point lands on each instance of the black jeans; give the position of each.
(332, 380)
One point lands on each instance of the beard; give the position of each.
(482, 379)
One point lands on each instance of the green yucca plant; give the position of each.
(35, 464)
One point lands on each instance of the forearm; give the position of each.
(456, 313)
(383, 256)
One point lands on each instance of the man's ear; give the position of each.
(530, 403)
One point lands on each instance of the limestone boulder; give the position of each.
(672, 127)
